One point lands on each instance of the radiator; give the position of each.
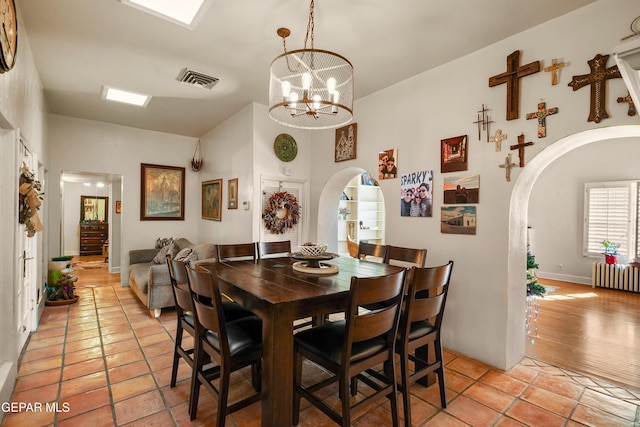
(615, 276)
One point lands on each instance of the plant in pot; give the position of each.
(610, 251)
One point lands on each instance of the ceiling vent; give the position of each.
(195, 78)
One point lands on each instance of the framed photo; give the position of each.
(461, 189)
(232, 201)
(346, 142)
(458, 220)
(388, 164)
(212, 200)
(454, 154)
(118, 206)
(162, 192)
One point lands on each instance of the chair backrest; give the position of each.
(179, 284)
(352, 246)
(427, 296)
(363, 325)
(207, 302)
(237, 251)
(366, 249)
(272, 248)
(416, 257)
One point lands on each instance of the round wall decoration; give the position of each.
(8, 35)
(285, 147)
(281, 213)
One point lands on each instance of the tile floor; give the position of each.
(106, 362)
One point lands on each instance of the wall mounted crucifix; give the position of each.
(512, 78)
(498, 138)
(520, 146)
(632, 107)
(554, 68)
(484, 120)
(597, 78)
(541, 115)
(507, 166)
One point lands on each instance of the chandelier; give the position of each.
(310, 88)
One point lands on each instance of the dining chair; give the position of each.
(232, 345)
(237, 251)
(420, 327)
(407, 257)
(282, 247)
(346, 348)
(366, 249)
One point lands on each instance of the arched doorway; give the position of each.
(329, 204)
(518, 216)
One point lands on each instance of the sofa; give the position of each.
(150, 280)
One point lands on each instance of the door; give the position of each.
(268, 187)
(27, 265)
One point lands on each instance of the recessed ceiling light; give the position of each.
(126, 97)
(183, 12)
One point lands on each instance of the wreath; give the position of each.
(281, 213)
(29, 201)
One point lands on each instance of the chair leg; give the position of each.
(176, 356)
(346, 401)
(440, 371)
(223, 395)
(405, 388)
(393, 396)
(198, 362)
(256, 376)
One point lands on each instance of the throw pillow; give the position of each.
(162, 242)
(161, 256)
(186, 255)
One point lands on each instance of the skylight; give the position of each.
(184, 12)
(126, 97)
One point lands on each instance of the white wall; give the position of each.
(416, 114)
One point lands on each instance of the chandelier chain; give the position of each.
(310, 26)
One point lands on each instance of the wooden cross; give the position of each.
(596, 78)
(520, 146)
(632, 106)
(554, 68)
(541, 115)
(498, 138)
(512, 78)
(507, 166)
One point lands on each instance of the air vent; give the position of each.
(195, 78)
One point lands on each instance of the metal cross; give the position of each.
(507, 166)
(596, 78)
(632, 107)
(541, 115)
(512, 78)
(498, 138)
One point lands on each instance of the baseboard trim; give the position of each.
(564, 277)
(8, 375)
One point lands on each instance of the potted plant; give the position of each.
(610, 251)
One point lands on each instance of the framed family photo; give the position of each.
(162, 192)
(212, 200)
(232, 201)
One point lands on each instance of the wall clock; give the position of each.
(8, 35)
(285, 147)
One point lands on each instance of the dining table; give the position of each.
(280, 292)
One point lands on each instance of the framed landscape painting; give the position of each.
(162, 192)
(212, 200)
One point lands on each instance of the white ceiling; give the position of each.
(80, 45)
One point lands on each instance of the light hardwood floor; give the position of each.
(594, 331)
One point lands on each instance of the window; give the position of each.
(611, 213)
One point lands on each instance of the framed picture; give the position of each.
(212, 200)
(232, 202)
(118, 206)
(461, 189)
(346, 142)
(162, 192)
(454, 154)
(458, 220)
(388, 164)
(416, 194)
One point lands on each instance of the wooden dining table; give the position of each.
(279, 294)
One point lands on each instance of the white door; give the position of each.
(270, 186)
(27, 263)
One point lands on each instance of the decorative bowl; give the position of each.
(315, 249)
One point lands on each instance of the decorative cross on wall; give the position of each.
(596, 78)
(484, 120)
(512, 78)
(498, 138)
(507, 166)
(554, 68)
(541, 115)
(520, 146)
(632, 107)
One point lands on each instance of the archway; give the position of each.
(518, 213)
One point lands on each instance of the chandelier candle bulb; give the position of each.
(331, 85)
(286, 90)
